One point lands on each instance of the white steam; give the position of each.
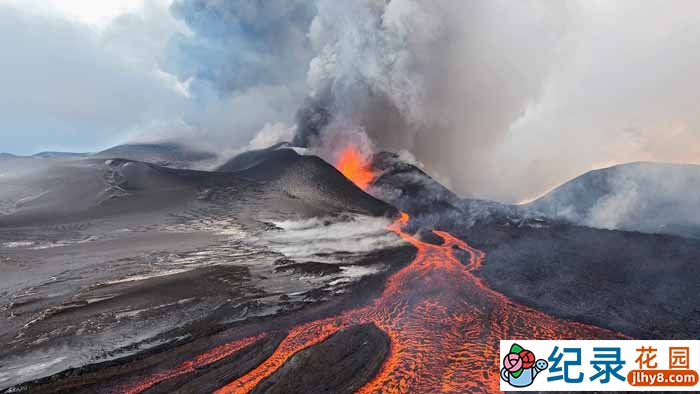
(313, 237)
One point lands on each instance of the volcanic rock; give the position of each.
(309, 182)
(408, 187)
(341, 364)
(431, 204)
(310, 267)
(630, 282)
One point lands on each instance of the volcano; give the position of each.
(645, 197)
(279, 272)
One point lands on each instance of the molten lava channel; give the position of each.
(444, 324)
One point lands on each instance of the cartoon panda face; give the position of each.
(541, 364)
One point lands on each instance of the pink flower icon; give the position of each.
(513, 362)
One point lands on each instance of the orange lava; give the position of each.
(443, 321)
(355, 166)
(212, 356)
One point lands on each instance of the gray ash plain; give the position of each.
(104, 259)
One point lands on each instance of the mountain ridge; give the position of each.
(648, 197)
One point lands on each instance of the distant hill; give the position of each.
(645, 197)
(44, 155)
(165, 154)
(49, 154)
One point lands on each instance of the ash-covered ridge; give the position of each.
(167, 154)
(646, 197)
(307, 179)
(251, 158)
(430, 203)
(408, 187)
(164, 154)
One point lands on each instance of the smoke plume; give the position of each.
(509, 99)
(441, 79)
(503, 99)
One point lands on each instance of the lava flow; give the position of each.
(444, 324)
(190, 366)
(355, 166)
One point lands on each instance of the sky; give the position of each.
(79, 75)
(498, 99)
(95, 13)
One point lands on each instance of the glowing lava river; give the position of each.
(443, 322)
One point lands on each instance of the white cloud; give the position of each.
(68, 86)
(90, 12)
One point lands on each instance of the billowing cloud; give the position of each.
(241, 44)
(443, 79)
(67, 85)
(508, 99)
(503, 99)
(620, 90)
(245, 64)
